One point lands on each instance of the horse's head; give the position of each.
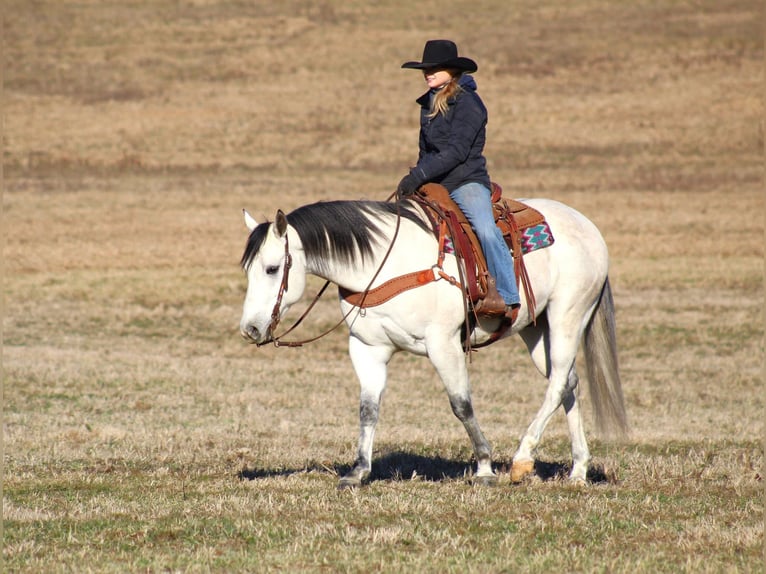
(273, 262)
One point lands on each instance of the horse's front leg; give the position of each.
(449, 360)
(371, 366)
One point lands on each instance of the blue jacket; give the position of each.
(452, 144)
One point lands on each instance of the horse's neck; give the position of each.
(341, 274)
(354, 276)
(328, 269)
(414, 250)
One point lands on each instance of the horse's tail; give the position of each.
(604, 385)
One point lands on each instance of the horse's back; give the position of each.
(565, 218)
(575, 264)
(574, 234)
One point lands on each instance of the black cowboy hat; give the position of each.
(442, 54)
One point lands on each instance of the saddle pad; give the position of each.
(536, 237)
(534, 231)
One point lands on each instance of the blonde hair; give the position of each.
(440, 103)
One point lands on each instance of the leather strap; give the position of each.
(389, 289)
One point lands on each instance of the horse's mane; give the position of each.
(339, 230)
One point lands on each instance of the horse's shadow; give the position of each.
(396, 466)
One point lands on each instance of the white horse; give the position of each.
(362, 244)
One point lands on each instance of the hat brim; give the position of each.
(460, 63)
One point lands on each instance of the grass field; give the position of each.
(140, 433)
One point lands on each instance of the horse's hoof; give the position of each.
(578, 481)
(487, 480)
(521, 469)
(349, 483)
(579, 474)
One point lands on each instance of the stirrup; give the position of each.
(492, 305)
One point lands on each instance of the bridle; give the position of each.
(275, 318)
(276, 340)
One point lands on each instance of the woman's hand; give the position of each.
(407, 186)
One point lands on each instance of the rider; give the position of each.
(453, 123)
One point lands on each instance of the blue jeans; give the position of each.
(475, 202)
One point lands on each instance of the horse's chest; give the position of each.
(382, 331)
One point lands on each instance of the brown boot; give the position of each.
(492, 305)
(512, 312)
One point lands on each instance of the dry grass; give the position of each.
(140, 432)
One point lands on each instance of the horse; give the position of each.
(359, 245)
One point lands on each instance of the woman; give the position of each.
(453, 123)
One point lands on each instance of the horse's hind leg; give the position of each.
(371, 366)
(449, 361)
(555, 360)
(580, 452)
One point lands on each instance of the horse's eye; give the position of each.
(272, 269)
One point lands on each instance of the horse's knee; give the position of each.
(568, 396)
(572, 381)
(368, 412)
(462, 407)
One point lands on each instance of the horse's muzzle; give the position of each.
(251, 334)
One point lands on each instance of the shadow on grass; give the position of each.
(546, 471)
(399, 465)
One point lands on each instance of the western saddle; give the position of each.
(457, 236)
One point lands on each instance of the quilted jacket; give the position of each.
(452, 144)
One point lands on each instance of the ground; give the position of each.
(142, 434)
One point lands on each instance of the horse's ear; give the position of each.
(280, 223)
(249, 221)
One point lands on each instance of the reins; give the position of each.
(275, 318)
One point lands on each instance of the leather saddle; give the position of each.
(512, 218)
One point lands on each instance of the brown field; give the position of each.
(142, 434)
